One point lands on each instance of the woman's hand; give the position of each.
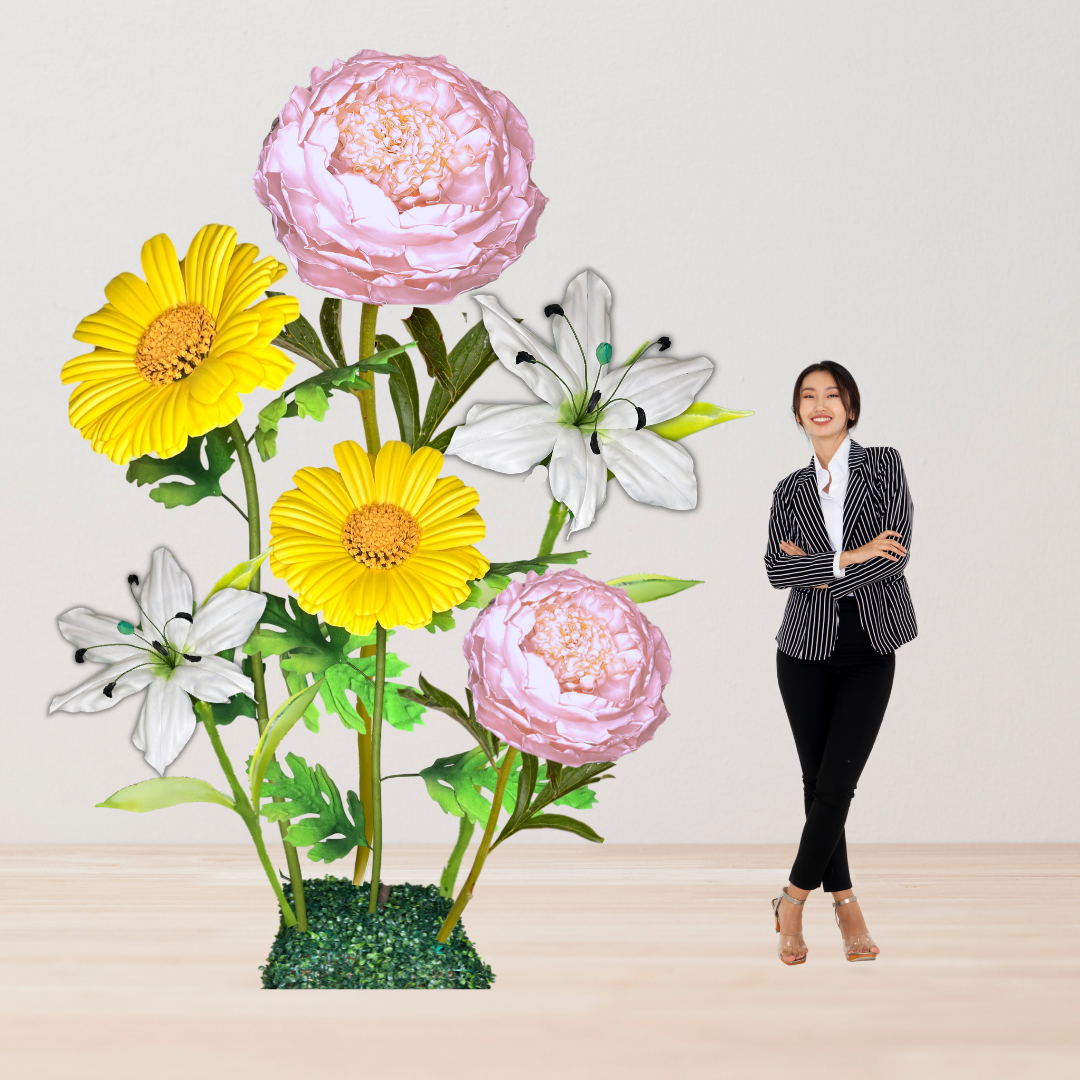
(788, 548)
(882, 546)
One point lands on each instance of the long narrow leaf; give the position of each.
(165, 791)
(425, 330)
(468, 359)
(281, 723)
(403, 391)
(555, 821)
(330, 324)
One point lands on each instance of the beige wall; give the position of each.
(893, 186)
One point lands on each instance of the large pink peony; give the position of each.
(399, 180)
(568, 669)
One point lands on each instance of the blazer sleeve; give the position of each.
(898, 517)
(793, 571)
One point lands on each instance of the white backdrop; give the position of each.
(893, 186)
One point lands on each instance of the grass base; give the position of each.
(346, 948)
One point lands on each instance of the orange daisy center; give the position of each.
(175, 344)
(380, 535)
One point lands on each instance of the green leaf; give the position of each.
(188, 464)
(305, 645)
(442, 440)
(440, 620)
(358, 675)
(431, 697)
(425, 330)
(582, 799)
(279, 726)
(310, 791)
(403, 391)
(483, 590)
(297, 683)
(225, 712)
(452, 783)
(468, 360)
(299, 337)
(698, 417)
(164, 791)
(526, 785)
(330, 324)
(538, 564)
(561, 821)
(239, 577)
(644, 587)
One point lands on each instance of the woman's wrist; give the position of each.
(847, 558)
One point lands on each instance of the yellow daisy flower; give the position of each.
(391, 545)
(172, 353)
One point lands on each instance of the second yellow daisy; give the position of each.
(390, 545)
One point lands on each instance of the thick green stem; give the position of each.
(363, 746)
(556, 520)
(453, 864)
(478, 863)
(376, 766)
(367, 397)
(258, 669)
(243, 808)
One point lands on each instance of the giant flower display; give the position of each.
(173, 353)
(568, 669)
(389, 545)
(399, 180)
(593, 414)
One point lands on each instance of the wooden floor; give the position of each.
(612, 962)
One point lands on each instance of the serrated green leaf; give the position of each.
(698, 417)
(561, 821)
(403, 391)
(440, 620)
(279, 725)
(538, 564)
(468, 360)
(428, 336)
(483, 590)
(239, 577)
(225, 712)
(203, 479)
(642, 588)
(304, 644)
(310, 791)
(311, 400)
(452, 783)
(163, 792)
(582, 799)
(330, 324)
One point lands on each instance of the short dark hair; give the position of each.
(845, 382)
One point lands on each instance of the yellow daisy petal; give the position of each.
(206, 266)
(162, 270)
(108, 329)
(208, 382)
(355, 466)
(294, 510)
(326, 489)
(390, 468)
(454, 532)
(449, 498)
(131, 296)
(420, 476)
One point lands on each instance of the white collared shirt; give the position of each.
(832, 502)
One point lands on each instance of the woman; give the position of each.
(838, 539)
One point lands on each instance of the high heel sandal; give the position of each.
(857, 946)
(788, 941)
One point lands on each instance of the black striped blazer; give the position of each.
(877, 499)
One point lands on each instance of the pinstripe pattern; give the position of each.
(877, 499)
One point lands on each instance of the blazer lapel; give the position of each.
(857, 499)
(809, 511)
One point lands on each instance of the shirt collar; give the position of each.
(838, 466)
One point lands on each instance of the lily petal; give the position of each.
(651, 469)
(166, 723)
(86, 629)
(166, 590)
(577, 476)
(663, 388)
(90, 696)
(588, 309)
(225, 621)
(508, 338)
(506, 438)
(213, 678)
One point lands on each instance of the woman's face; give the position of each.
(821, 409)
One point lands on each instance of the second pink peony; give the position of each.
(568, 669)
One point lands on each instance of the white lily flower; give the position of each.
(593, 415)
(169, 653)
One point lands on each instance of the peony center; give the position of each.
(403, 147)
(577, 646)
(175, 344)
(380, 535)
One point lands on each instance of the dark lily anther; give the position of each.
(193, 659)
(594, 443)
(554, 309)
(108, 689)
(183, 615)
(593, 401)
(80, 656)
(664, 343)
(133, 579)
(161, 649)
(525, 358)
(640, 417)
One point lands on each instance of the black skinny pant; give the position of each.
(835, 707)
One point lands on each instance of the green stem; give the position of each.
(258, 669)
(368, 316)
(243, 808)
(453, 864)
(376, 766)
(478, 863)
(556, 520)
